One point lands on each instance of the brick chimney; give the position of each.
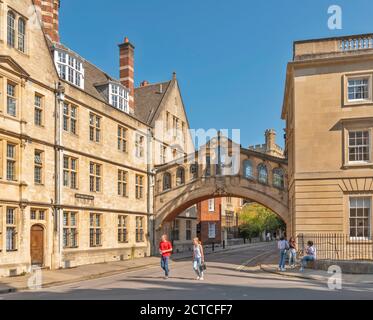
(270, 138)
(48, 13)
(126, 69)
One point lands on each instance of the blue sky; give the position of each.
(230, 56)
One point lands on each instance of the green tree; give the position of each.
(255, 219)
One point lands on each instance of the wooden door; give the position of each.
(37, 245)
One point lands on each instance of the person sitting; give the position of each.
(310, 255)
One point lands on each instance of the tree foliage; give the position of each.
(255, 219)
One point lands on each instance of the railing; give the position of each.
(353, 44)
(337, 246)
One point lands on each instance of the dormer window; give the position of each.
(69, 68)
(119, 97)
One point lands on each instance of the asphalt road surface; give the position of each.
(230, 275)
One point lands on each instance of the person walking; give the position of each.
(310, 255)
(292, 252)
(268, 236)
(283, 246)
(198, 258)
(165, 249)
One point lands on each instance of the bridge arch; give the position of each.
(204, 181)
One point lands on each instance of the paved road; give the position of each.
(230, 275)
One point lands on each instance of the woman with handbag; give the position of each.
(198, 258)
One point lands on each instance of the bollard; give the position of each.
(223, 244)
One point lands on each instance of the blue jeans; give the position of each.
(292, 256)
(282, 259)
(307, 259)
(164, 265)
(197, 266)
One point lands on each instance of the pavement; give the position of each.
(317, 275)
(233, 274)
(51, 278)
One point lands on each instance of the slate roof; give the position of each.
(147, 98)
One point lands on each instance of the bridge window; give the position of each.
(278, 178)
(180, 176)
(248, 169)
(166, 181)
(262, 174)
(194, 171)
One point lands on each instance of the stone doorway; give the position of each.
(37, 245)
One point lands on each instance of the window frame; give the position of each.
(119, 97)
(95, 230)
(95, 128)
(140, 234)
(358, 197)
(139, 146)
(70, 230)
(70, 118)
(357, 76)
(123, 228)
(70, 172)
(40, 214)
(39, 166)
(166, 181)
(12, 160)
(123, 139)
(265, 167)
(246, 164)
(180, 176)
(68, 64)
(357, 162)
(11, 225)
(38, 110)
(139, 186)
(21, 36)
(123, 183)
(209, 228)
(11, 29)
(13, 97)
(95, 177)
(276, 172)
(211, 205)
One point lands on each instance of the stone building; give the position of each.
(328, 112)
(270, 146)
(77, 147)
(223, 215)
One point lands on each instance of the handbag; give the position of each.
(203, 266)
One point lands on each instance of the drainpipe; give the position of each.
(60, 97)
(150, 193)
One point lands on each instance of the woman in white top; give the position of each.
(198, 258)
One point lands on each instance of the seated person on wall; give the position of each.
(310, 255)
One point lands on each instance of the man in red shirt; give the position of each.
(165, 249)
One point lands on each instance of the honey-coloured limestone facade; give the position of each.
(328, 109)
(77, 147)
